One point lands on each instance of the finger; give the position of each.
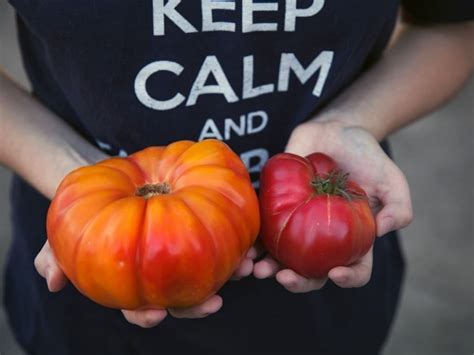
(252, 253)
(42, 260)
(244, 269)
(298, 284)
(246, 266)
(145, 318)
(395, 196)
(56, 279)
(267, 267)
(256, 250)
(355, 275)
(211, 305)
(47, 266)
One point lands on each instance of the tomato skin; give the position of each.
(308, 232)
(174, 249)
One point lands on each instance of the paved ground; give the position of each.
(437, 311)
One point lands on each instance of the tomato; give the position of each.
(164, 227)
(313, 216)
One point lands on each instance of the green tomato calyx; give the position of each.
(334, 183)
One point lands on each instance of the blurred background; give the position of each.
(436, 315)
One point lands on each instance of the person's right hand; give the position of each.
(356, 150)
(47, 267)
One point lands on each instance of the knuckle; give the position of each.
(407, 217)
(402, 176)
(298, 130)
(397, 174)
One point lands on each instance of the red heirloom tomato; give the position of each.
(164, 227)
(313, 217)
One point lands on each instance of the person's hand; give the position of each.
(359, 153)
(48, 268)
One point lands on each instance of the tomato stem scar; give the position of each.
(149, 190)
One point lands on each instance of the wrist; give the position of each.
(329, 136)
(75, 153)
(64, 154)
(352, 118)
(81, 153)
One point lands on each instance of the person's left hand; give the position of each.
(359, 153)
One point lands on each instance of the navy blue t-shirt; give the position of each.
(130, 74)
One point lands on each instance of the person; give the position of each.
(265, 77)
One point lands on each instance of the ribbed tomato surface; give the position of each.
(313, 217)
(164, 227)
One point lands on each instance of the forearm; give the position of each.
(425, 67)
(35, 143)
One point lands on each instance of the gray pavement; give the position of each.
(437, 310)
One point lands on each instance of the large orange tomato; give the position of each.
(164, 227)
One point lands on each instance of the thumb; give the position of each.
(47, 266)
(397, 211)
